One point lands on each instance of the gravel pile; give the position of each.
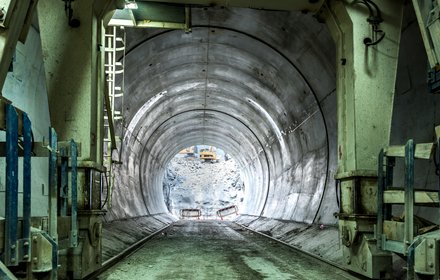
(192, 184)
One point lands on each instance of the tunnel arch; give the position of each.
(234, 73)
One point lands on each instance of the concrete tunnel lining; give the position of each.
(250, 162)
(231, 82)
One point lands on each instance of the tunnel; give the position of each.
(240, 84)
(328, 109)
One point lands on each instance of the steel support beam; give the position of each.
(64, 190)
(53, 196)
(286, 5)
(27, 189)
(367, 40)
(11, 203)
(74, 68)
(74, 196)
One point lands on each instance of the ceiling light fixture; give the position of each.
(131, 5)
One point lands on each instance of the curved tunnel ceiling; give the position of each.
(236, 90)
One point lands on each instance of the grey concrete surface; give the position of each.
(121, 234)
(317, 239)
(218, 250)
(252, 82)
(191, 183)
(240, 84)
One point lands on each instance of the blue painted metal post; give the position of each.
(11, 210)
(53, 195)
(64, 192)
(74, 194)
(409, 193)
(27, 143)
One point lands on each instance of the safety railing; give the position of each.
(190, 213)
(22, 242)
(227, 211)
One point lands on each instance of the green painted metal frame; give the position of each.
(74, 194)
(63, 190)
(385, 179)
(53, 200)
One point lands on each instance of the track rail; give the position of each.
(125, 253)
(336, 265)
(138, 245)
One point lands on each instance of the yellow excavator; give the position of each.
(209, 154)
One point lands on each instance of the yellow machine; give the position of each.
(208, 154)
(189, 152)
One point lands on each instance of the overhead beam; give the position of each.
(282, 5)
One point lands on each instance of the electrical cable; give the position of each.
(337, 187)
(108, 188)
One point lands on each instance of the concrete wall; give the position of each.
(259, 84)
(25, 86)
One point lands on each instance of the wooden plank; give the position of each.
(426, 198)
(423, 151)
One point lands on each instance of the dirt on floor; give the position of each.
(218, 250)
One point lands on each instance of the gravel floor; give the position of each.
(212, 249)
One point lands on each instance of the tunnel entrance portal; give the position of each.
(203, 182)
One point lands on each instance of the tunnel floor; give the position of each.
(218, 250)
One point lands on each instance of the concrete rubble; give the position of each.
(194, 184)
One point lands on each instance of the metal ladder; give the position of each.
(114, 99)
(396, 236)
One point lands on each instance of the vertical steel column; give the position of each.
(27, 147)
(409, 193)
(390, 163)
(53, 180)
(74, 171)
(11, 210)
(64, 192)
(380, 205)
(53, 198)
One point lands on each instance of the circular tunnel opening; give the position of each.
(203, 182)
(245, 88)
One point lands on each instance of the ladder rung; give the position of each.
(423, 151)
(425, 198)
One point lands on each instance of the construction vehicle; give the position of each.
(188, 152)
(209, 154)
